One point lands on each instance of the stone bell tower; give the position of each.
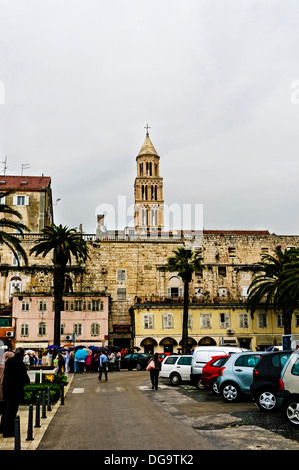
(149, 204)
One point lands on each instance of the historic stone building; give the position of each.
(144, 301)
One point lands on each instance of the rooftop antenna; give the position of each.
(5, 165)
(25, 165)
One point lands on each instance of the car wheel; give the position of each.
(200, 385)
(291, 412)
(266, 400)
(230, 392)
(214, 387)
(175, 379)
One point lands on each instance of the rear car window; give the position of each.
(185, 361)
(219, 362)
(170, 360)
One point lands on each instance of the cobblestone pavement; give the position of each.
(245, 410)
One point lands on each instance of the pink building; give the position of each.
(85, 315)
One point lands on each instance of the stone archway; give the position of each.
(149, 344)
(168, 344)
(207, 341)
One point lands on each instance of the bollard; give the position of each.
(30, 424)
(37, 413)
(17, 433)
(49, 400)
(62, 394)
(44, 414)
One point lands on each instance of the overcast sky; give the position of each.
(215, 80)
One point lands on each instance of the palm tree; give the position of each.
(64, 243)
(185, 262)
(8, 238)
(271, 284)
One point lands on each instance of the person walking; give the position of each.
(7, 355)
(14, 380)
(154, 373)
(103, 366)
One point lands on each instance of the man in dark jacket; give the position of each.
(14, 380)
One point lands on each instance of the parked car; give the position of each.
(288, 394)
(266, 375)
(210, 373)
(163, 355)
(137, 361)
(235, 377)
(203, 354)
(176, 368)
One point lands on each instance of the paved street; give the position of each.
(125, 414)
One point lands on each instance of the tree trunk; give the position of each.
(287, 323)
(185, 318)
(58, 302)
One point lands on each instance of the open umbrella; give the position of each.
(53, 346)
(89, 351)
(29, 351)
(80, 355)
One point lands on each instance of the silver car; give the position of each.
(235, 377)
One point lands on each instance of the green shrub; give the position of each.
(31, 392)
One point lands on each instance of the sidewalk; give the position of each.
(8, 443)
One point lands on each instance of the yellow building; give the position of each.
(158, 328)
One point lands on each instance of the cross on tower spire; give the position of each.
(147, 128)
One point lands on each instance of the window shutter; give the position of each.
(26, 200)
(168, 293)
(15, 200)
(181, 292)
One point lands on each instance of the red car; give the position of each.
(210, 372)
(163, 355)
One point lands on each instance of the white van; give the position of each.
(203, 354)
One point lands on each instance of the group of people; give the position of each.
(13, 378)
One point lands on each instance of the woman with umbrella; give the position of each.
(80, 356)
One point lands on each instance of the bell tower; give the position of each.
(148, 187)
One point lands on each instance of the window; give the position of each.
(231, 252)
(16, 259)
(222, 271)
(185, 361)
(243, 320)
(174, 292)
(42, 329)
(78, 329)
(78, 305)
(24, 329)
(171, 360)
(20, 200)
(121, 293)
(66, 306)
(297, 320)
(167, 320)
(148, 321)
(25, 306)
(248, 360)
(121, 274)
(279, 320)
(190, 320)
(94, 329)
(224, 319)
(262, 320)
(205, 320)
(42, 305)
(244, 291)
(222, 291)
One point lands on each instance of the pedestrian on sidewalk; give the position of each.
(14, 380)
(154, 373)
(103, 366)
(7, 355)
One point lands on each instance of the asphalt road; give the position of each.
(117, 414)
